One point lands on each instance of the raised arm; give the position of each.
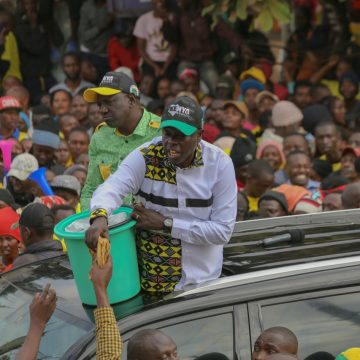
(127, 179)
(41, 309)
(108, 339)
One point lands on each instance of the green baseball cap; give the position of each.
(183, 114)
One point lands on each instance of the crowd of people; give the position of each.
(161, 108)
(305, 126)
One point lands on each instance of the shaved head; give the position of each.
(21, 93)
(150, 344)
(350, 198)
(275, 340)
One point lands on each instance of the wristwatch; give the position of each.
(168, 223)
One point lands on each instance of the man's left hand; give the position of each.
(147, 219)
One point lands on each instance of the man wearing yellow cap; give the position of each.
(126, 126)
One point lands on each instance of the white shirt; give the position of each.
(149, 28)
(200, 199)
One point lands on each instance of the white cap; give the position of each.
(285, 113)
(22, 166)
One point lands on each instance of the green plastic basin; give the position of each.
(125, 282)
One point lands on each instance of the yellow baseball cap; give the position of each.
(254, 73)
(111, 84)
(239, 105)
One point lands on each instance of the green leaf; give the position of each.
(214, 20)
(267, 11)
(265, 19)
(214, 11)
(208, 9)
(241, 6)
(280, 10)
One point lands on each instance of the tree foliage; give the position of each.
(264, 12)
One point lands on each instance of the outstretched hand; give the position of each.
(100, 277)
(41, 309)
(43, 306)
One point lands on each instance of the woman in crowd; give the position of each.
(271, 151)
(10, 240)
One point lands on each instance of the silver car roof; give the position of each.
(276, 273)
(330, 217)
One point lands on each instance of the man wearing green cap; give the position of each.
(126, 126)
(186, 193)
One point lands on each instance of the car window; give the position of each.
(14, 323)
(200, 336)
(330, 323)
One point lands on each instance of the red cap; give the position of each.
(349, 149)
(52, 200)
(188, 73)
(9, 102)
(211, 132)
(9, 223)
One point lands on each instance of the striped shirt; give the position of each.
(201, 199)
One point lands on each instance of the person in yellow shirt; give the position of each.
(8, 45)
(260, 178)
(63, 156)
(9, 119)
(328, 143)
(60, 213)
(67, 187)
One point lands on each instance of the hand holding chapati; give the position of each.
(98, 228)
(102, 251)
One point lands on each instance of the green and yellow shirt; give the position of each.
(108, 148)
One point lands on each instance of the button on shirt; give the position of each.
(201, 199)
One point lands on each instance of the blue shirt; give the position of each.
(14, 135)
(312, 185)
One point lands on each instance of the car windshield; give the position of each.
(14, 321)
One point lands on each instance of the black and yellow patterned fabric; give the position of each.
(157, 166)
(198, 160)
(159, 254)
(159, 257)
(98, 213)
